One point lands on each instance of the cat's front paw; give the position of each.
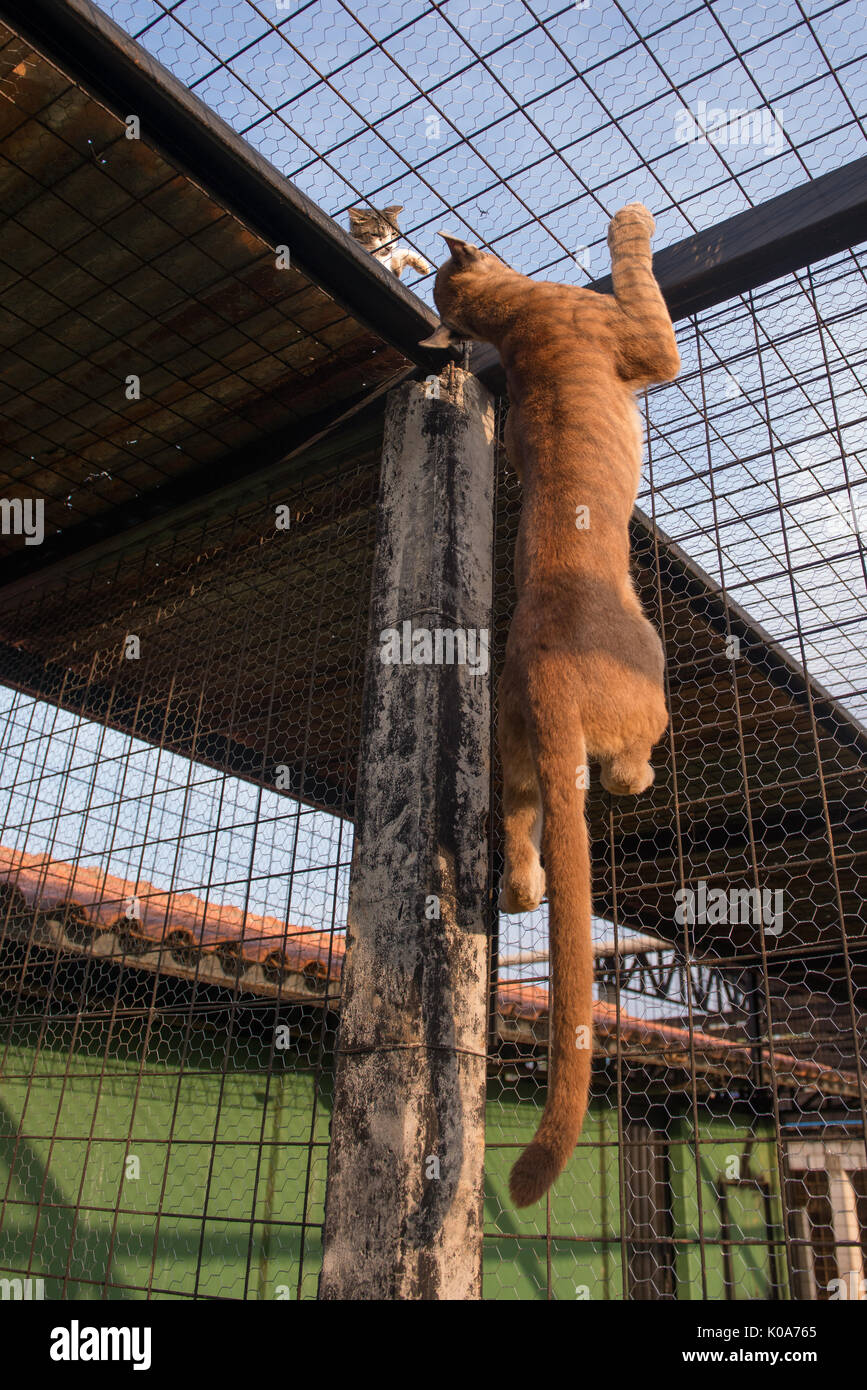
(634, 215)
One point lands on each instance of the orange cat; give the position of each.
(583, 676)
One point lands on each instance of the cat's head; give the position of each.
(460, 294)
(375, 226)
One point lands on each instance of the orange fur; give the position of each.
(583, 676)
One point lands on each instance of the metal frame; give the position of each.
(805, 224)
(784, 234)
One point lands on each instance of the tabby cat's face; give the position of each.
(375, 227)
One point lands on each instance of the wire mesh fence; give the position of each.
(728, 1086)
(181, 717)
(174, 910)
(525, 125)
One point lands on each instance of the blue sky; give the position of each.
(550, 116)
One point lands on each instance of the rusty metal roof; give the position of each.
(152, 341)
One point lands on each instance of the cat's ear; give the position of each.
(463, 252)
(442, 337)
(392, 212)
(357, 216)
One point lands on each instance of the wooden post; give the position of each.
(403, 1214)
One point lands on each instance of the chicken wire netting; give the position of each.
(175, 850)
(524, 124)
(723, 1156)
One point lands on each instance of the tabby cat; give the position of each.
(583, 675)
(376, 231)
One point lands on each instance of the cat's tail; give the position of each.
(557, 739)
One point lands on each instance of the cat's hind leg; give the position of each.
(628, 773)
(624, 735)
(523, 886)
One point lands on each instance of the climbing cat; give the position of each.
(377, 230)
(583, 675)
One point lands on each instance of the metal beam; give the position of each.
(806, 224)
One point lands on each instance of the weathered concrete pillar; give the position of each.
(403, 1215)
(847, 1229)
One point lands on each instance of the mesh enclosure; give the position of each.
(730, 939)
(181, 673)
(525, 125)
(176, 846)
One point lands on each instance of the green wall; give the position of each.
(586, 1203)
(197, 1139)
(202, 1164)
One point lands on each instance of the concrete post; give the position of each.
(403, 1215)
(847, 1230)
